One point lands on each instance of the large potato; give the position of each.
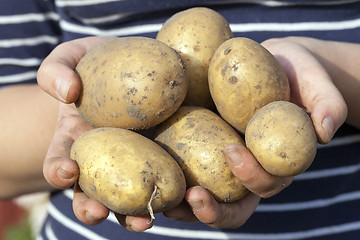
(282, 138)
(127, 172)
(243, 77)
(196, 137)
(196, 33)
(131, 82)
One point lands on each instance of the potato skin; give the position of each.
(196, 137)
(282, 138)
(120, 169)
(196, 33)
(130, 82)
(244, 76)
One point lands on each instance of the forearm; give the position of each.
(27, 121)
(341, 60)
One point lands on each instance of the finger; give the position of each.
(251, 174)
(87, 210)
(135, 223)
(56, 74)
(182, 213)
(60, 172)
(311, 87)
(58, 169)
(220, 215)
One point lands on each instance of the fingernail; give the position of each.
(62, 89)
(91, 217)
(196, 205)
(328, 126)
(233, 156)
(64, 174)
(133, 229)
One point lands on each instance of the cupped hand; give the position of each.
(312, 89)
(311, 85)
(57, 77)
(201, 206)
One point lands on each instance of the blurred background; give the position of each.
(21, 218)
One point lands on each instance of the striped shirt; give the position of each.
(322, 203)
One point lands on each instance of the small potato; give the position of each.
(196, 137)
(243, 77)
(196, 33)
(131, 82)
(127, 172)
(282, 138)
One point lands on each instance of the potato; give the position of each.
(282, 138)
(243, 77)
(127, 172)
(196, 33)
(131, 82)
(196, 137)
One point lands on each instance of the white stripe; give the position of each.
(105, 19)
(16, 42)
(70, 27)
(26, 62)
(245, 27)
(325, 173)
(67, 222)
(29, 17)
(183, 233)
(304, 234)
(199, 234)
(49, 232)
(64, 3)
(294, 27)
(110, 18)
(20, 77)
(69, 193)
(270, 3)
(298, 206)
(335, 142)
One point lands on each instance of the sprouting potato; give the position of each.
(127, 172)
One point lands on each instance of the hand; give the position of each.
(311, 88)
(311, 85)
(320, 98)
(201, 206)
(57, 77)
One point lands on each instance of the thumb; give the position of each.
(328, 113)
(57, 75)
(311, 87)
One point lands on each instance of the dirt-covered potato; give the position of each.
(282, 138)
(243, 77)
(127, 172)
(131, 82)
(196, 137)
(196, 33)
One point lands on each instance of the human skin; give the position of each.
(27, 123)
(320, 81)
